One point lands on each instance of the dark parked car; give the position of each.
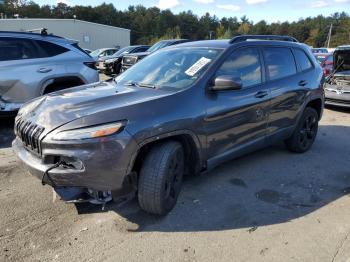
(180, 111)
(337, 87)
(112, 65)
(326, 62)
(130, 60)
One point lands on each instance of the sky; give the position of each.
(255, 10)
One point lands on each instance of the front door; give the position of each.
(236, 118)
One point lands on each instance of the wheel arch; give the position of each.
(189, 141)
(69, 81)
(317, 105)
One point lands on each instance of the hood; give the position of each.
(59, 108)
(341, 59)
(112, 60)
(104, 58)
(140, 54)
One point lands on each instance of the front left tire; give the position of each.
(161, 178)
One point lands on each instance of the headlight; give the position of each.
(89, 132)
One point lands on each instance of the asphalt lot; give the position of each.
(271, 205)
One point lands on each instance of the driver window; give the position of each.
(245, 64)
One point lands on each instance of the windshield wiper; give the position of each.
(132, 83)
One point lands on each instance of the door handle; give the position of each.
(261, 94)
(44, 70)
(303, 83)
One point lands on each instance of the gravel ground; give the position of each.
(271, 205)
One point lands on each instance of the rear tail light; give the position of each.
(91, 65)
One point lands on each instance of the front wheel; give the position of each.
(305, 133)
(161, 178)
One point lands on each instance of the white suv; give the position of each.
(33, 64)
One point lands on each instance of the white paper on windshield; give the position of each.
(197, 66)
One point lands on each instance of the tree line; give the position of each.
(149, 25)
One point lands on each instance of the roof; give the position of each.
(37, 36)
(226, 43)
(59, 20)
(322, 54)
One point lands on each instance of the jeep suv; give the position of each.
(34, 64)
(182, 110)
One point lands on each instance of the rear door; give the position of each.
(236, 118)
(287, 88)
(24, 66)
(18, 69)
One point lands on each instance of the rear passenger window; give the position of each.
(17, 49)
(245, 64)
(302, 59)
(49, 49)
(280, 62)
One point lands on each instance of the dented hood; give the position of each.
(99, 99)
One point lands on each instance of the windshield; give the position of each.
(96, 52)
(124, 50)
(172, 69)
(158, 46)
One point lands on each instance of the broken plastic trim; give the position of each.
(46, 174)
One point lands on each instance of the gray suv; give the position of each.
(181, 110)
(34, 64)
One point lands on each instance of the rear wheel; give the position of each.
(305, 133)
(161, 178)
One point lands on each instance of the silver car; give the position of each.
(33, 64)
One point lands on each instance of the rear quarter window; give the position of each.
(302, 59)
(279, 62)
(50, 49)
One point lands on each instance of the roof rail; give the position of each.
(242, 38)
(43, 32)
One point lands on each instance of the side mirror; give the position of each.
(226, 82)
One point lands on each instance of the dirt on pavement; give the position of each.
(271, 205)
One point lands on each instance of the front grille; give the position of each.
(29, 133)
(129, 60)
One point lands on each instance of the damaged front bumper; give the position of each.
(337, 95)
(96, 165)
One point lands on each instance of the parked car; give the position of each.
(98, 53)
(182, 110)
(337, 87)
(34, 64)
(112, 64)
(88, 51)
(130, 60)
(326, 62)
(319, 50)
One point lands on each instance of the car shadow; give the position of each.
(267, 187)
(338, 108)
(6, 131)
